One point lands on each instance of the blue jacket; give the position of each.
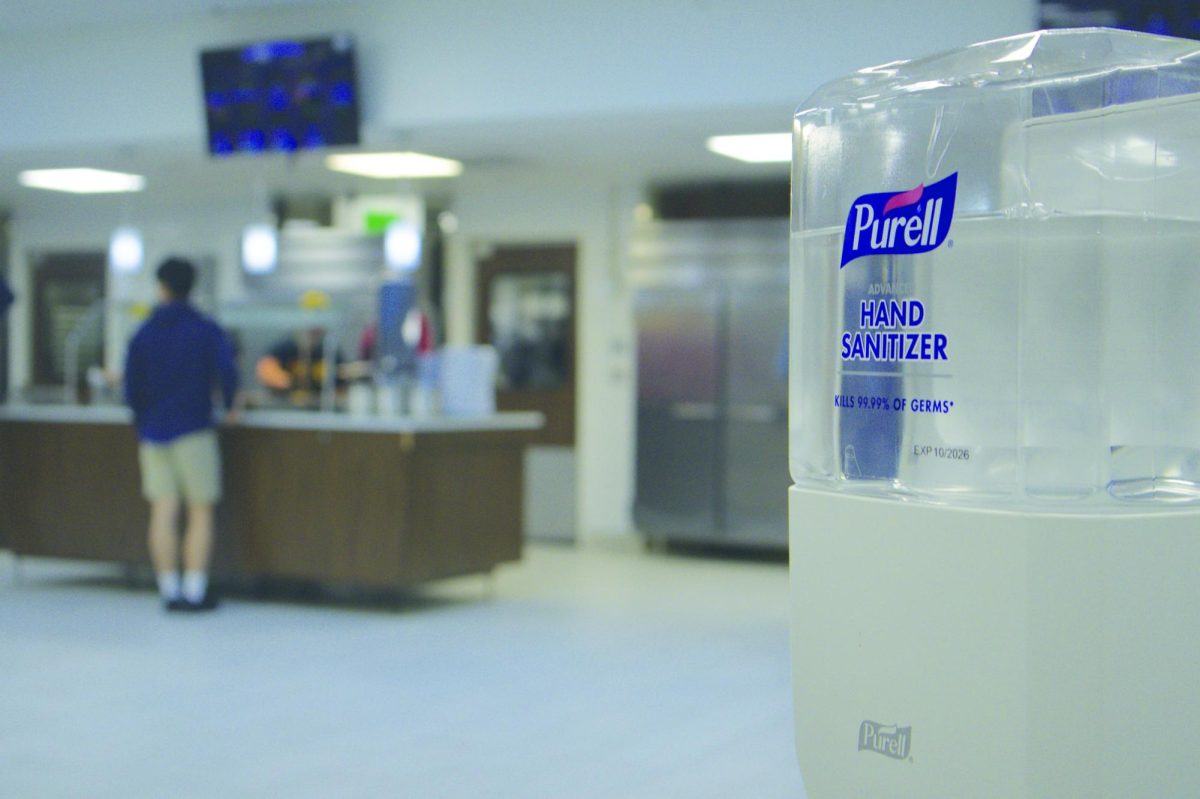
(175, 361)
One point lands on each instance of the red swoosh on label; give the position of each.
(904, 198)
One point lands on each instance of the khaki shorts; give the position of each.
(187, 467)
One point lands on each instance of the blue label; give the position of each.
(900, 222)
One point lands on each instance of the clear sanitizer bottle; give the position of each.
(995, 418)
(995, 272)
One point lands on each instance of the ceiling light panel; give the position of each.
(394, 165)
(755, 148)
(81, 180)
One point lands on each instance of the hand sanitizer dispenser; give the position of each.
(995, 422)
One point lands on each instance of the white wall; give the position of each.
(588, 215)
(477, 60)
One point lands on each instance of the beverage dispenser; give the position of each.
(995, 422)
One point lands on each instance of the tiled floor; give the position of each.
(575, 674)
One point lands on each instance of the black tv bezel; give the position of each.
(346, 134)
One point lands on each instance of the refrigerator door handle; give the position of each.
(694, 411)
(760, 414)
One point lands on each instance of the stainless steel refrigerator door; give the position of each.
(712, 393)
(755, 429)
(678, 459)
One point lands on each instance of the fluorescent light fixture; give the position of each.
(754, 148)
(81, 181)
(402, 246)
(260, 249)
(394, 165)
(125, 251)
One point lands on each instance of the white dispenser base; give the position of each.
(1030, 655)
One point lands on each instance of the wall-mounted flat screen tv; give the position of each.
(1163, 17)
(281, 96)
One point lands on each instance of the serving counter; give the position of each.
(340, 499)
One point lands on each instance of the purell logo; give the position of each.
(900, 223)
(889, 741)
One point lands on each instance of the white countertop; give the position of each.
(289, 419)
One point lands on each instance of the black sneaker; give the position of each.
(172, 605)
(209, 602)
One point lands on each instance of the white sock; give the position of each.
(195, 586)
(168, 585)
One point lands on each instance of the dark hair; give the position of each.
(178, 275)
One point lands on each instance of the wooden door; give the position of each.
(68, 293)
(527, 312)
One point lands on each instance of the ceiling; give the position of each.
(638, 148)
(39, 16)
(645, 148)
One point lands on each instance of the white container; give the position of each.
(467, 380)
(389, 399)
(360, 399)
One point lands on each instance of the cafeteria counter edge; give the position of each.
(330, 497)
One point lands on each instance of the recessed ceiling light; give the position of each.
(125, 250)
(260, 249)
(82, 180)
(402, 246)
(394, 165)
(755, 148)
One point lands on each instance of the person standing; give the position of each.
(176, 361)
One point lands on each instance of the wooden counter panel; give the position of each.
(71, 491)
(324, 506)
(373, 509)
(467, 492)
